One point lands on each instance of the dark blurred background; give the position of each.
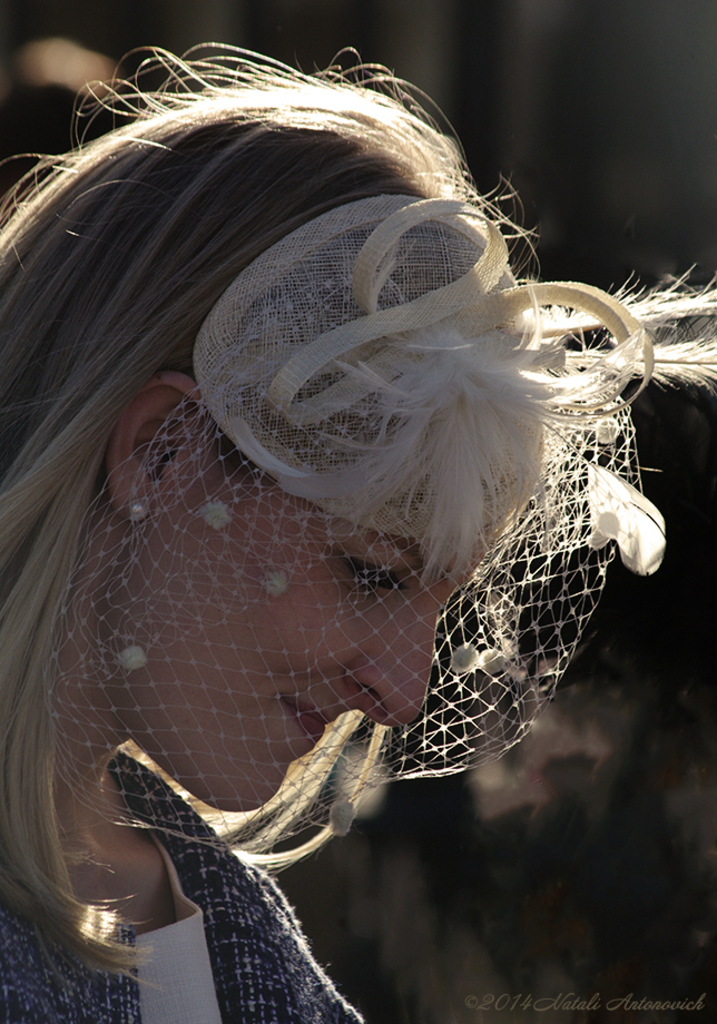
(583, 862)
(601, 113)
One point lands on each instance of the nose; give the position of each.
(387, 678)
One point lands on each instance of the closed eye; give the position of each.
(371, 578)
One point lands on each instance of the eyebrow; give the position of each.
(410, 554)
(382, 552)
(412, 557)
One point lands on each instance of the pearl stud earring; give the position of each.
(138, 511)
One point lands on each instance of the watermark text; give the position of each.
(570, 1001)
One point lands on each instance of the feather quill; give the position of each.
(692, 362)
(684, 323)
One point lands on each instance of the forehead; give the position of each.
(384, 545)
(269, 512)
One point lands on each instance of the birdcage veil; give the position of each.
(367, 544)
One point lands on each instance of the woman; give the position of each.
(271, 395)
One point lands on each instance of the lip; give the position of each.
(312, 721)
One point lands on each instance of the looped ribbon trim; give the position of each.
(471, 304)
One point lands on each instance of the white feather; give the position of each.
(464, 421)
(691, 362)
(684, 324)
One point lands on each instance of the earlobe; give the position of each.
(128, 482)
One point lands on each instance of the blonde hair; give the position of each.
(108, 265)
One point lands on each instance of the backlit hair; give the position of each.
(109, 263)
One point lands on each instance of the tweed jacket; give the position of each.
(263, 969)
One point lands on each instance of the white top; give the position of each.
(175, 975)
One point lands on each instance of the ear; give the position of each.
(127, 479)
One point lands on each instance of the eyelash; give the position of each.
(371, 578)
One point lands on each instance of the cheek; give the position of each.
(415, 630)
(300, 628)
(395, 628)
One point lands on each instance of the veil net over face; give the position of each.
(367, 545)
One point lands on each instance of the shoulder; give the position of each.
(36, 986)
(258, 950)
(286, 957)
(26, 976)
(259, 955)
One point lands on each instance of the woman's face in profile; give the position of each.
(261, 620)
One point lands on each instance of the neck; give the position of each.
(112, 862)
